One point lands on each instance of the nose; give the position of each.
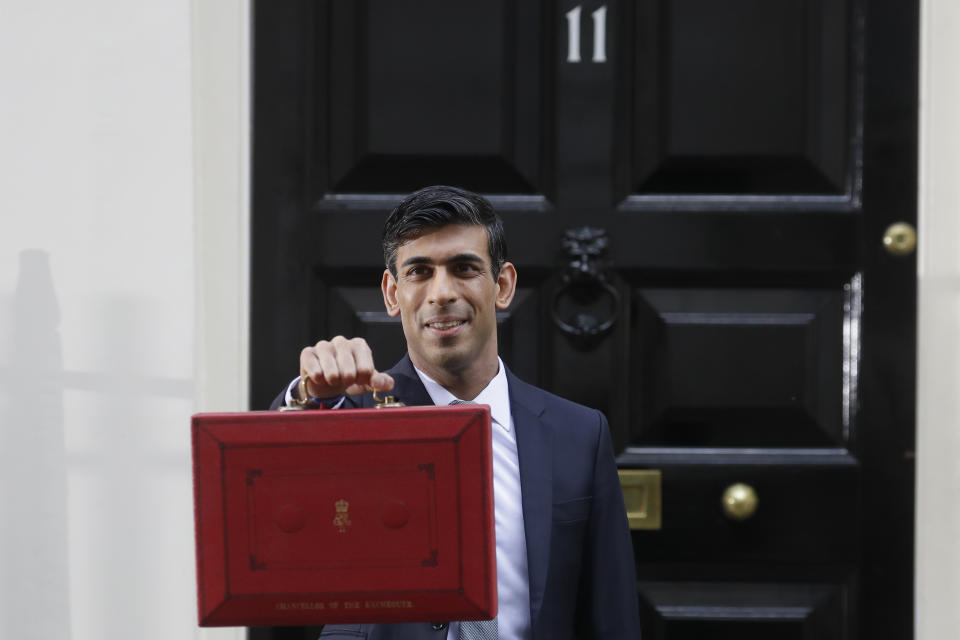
(443, 289)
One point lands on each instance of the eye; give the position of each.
(418, 270)
(465, 267)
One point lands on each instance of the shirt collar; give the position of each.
(496, 395)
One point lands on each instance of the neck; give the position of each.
(465, 383)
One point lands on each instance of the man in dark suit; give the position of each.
(564, 555)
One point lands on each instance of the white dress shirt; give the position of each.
(513, 582)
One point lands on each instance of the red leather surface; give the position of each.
(358, 515)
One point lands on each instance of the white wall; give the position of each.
(109, 162)
(938, 383)
(123, 306)
(221, 125)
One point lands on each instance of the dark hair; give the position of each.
(439, 206)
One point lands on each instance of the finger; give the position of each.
(329, 378)
(363, 358)
(381, 381)
(346, 364)
(356, 390)
(341, 366)
(310, 365)
(367, 375)
(316, 364)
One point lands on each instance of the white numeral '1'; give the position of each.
(600, 34)
(573, 35)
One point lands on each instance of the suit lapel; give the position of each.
(535, 453)
(408, 388)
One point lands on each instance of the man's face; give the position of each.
(447, 299)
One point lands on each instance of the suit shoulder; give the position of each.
(556, 407)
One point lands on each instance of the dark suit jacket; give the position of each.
(579, 551)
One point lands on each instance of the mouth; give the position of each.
(445, 326)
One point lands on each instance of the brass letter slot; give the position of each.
(641, 495)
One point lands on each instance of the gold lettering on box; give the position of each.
(300, 606)
(388, 604)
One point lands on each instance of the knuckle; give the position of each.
(366, 367)
(361, 348)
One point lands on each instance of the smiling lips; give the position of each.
(445, 325)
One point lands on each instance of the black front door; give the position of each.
(695, 194)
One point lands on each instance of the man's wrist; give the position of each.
(299, 397)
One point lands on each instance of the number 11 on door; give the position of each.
(599, 34)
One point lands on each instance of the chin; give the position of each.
(451, 360)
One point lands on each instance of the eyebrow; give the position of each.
(460, 257)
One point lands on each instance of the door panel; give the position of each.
(392, 117)
(737, 367)
(738, 611)
(743, 97)
(806, 514)
(694, 194)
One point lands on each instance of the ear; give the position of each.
(506, 285)
(389, 287)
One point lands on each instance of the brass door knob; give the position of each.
(900, 239)
(739, 501)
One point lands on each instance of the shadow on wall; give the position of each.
(33, 483)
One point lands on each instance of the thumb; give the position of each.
(381, 381)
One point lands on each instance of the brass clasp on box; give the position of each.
(302, 400)
(641, 495)
(387, 402)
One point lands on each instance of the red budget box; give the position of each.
(354, 515)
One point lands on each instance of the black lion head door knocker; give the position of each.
(586, 303)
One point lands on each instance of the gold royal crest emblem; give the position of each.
(342, 518)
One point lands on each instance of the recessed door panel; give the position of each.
(738, 367)
(752, 611)
(747, 97)
(431, 92)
